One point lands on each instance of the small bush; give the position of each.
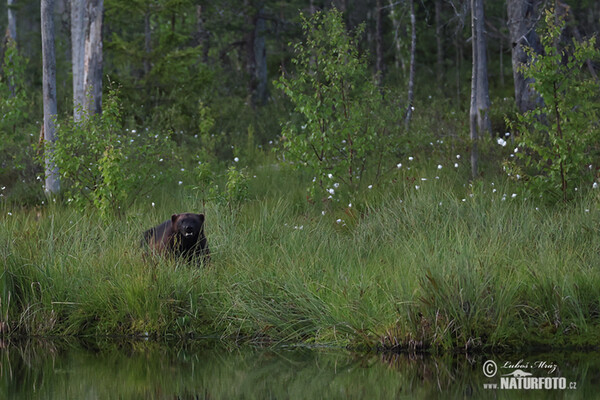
(339, 133)
(105, 165)
(559, 138)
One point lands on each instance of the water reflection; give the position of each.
(147, 370)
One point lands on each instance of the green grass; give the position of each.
(440, 267)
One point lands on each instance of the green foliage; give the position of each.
(339, 134)
(14, 108)
(559, 139)
(105, 165)
(236, 187)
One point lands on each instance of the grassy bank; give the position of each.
(442, 266)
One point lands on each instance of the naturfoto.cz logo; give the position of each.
(517, 377)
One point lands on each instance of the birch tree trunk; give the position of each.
(411, 75)
(12, 20)
(473, 109)
(479, 120)
(77, 55)
(398, 60)
(92, 75)
(522, 19)
(484, 123)
(52, 182)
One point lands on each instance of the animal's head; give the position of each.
(188, 225)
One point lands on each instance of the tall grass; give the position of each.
(443, 267)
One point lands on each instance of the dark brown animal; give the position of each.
(181, 236)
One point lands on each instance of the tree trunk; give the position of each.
(202, 34)
(411, 75)
(256, 56)
(439, 41)
(52, 182)
(12, 20)
(473, 109)
(522, 19)
(260, 52)
(77, 55)
(398, 60)
(479, 121)
(11, 39)
(93, 57)
(147, 41)
(379, 42)
(483, 92)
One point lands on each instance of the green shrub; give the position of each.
(14, 108)
(560, 136)
(338, 133)
(105, 165)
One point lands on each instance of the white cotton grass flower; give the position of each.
(595, 185)
(439, 166)
(370, 187)
(399, 165)
(339, 220)
(417, 187)
(507, 134)
(331, 191)
(330, 176)
(180, 182)
(236, 159)
(513, 195)
(458, 156)
(410, 158)
(455, 165)
(501, 142)
(153, 204)
(336, 185)
(323, 212)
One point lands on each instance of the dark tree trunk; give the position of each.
(147, 41)
(411, 75)
(202, 35)
(256, 56)
(52, 182)
(439, 41)
(379, 66)
(522, 20)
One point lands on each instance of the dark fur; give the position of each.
(182, 236)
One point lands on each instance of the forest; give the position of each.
(374, 174)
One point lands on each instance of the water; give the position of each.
(146, 370)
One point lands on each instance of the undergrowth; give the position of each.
(420, 264)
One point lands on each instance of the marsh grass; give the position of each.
(439, 267)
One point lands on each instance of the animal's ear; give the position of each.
(201, 216)
(174, 218)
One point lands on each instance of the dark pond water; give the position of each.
(145, 370)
